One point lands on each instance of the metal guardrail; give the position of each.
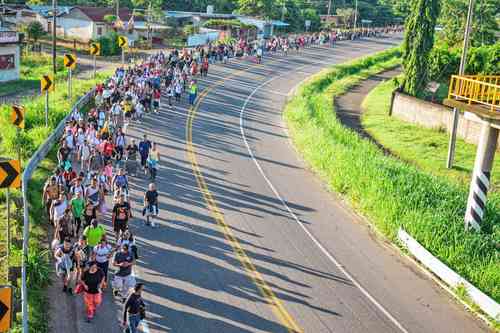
(33, 163)
(481, 90)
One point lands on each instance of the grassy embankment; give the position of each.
(33, 66)
(389, 191)
(39, 264)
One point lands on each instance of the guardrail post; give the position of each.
(480, 182)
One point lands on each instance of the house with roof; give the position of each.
(88, 23)
(9, 55)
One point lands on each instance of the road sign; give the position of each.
(5, 308)
(95, 48)
(17, 116)
(122, 41)
(10, 174)
(47, 83)
(70, 61)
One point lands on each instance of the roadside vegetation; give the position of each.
(391, 192)
(38, 262)
(33, 66)
(424, 147)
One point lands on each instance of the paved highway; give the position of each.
(249, 239)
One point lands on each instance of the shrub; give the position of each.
(445, 61)
(109, 44)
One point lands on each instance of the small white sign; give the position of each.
(9, 37)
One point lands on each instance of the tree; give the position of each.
(264, 8)
(35, 30)
(110, 19)
(418, 42)
(484, 24)
(347, 15)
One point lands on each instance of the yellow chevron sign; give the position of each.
(17, 116)
(95, 48)
(70, 61)
(10, 174)
(47, 83)
(122, 41)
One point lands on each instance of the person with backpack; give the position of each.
(134, 310)
(64, 256)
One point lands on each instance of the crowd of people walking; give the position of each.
(97, 159)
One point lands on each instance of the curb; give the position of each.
(449, 276)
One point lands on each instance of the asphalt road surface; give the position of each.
(249, 240)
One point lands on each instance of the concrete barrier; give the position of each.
(450, 277)
(435, 116)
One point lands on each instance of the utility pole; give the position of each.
(461, 71)
(117, 9)
(355, 15)
(283, 9)
(329, 8)
(54, 8)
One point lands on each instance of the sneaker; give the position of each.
(70, 291)
(153, 224)
(65, 289)
(115, 292)
(89, 319)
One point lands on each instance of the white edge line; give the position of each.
(292, 214)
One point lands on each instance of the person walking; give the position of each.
(134, 309)
(64, 255)
(144, 147)
(92, 280)
(124, 280)
(131, 163)
(94, 233)
(153, 161)
(77, 206)
(193, 92)
(151, 204)
(103, 253)
(121, 214)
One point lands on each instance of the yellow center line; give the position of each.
(276, 305)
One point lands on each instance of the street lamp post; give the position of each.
(54, 28)
(463, 61)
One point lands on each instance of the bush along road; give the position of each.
(390, 192)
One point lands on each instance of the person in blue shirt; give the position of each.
(144, 147)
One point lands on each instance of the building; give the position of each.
(87, 23)
(333, 20)
(9, 55)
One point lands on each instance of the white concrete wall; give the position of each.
(75, 28)
(436, 116)
(12, 74)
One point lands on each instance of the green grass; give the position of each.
(33, 66)
(423, 147)
(390, 192)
